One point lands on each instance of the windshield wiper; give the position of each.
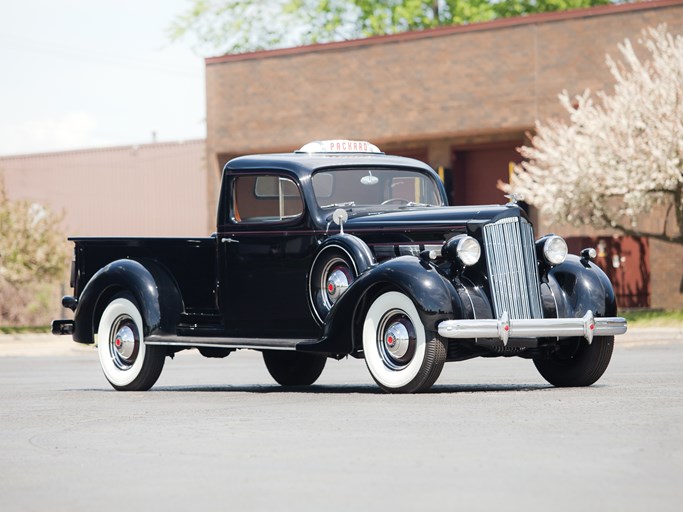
(412, 203)
(339, 205)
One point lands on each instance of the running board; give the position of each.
(236, 343)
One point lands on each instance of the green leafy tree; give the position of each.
(32, 254)
(235, 26)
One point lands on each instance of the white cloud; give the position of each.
(72, 130)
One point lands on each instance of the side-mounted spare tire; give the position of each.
(340, 260)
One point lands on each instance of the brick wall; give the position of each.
(478, 79)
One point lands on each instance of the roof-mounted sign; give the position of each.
(339, 146)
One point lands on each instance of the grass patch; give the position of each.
(25, 329)
(653, 318)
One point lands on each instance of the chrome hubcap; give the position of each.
(124, 343)
(337, 283)
(336, 278)
(396, 339)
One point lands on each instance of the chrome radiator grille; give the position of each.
(512, 268)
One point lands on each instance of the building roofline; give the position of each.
(500, 23)
(102, 149)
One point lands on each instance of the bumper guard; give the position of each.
(62, 327)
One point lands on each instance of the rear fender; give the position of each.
(151, 285)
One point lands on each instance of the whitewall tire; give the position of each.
(400, 354)
(127, 363)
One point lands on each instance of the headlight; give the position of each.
(465, 248)
(469, 251)
(555, 250)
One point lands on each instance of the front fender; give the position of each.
(434, 297)
(359, 250)
(577, 286)
(152, 286)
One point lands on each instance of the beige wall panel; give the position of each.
(666, 262)
(145, 190)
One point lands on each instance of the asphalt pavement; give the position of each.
(218, 434)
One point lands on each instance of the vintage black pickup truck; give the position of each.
(335, 250)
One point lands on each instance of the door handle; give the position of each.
(229, 241)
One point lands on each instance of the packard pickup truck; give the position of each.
(339, 250)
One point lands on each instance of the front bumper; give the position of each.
(504, 328)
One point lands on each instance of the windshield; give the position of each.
(392, 188)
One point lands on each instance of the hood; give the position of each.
(439, 218)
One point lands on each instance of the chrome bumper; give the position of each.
(504, 329)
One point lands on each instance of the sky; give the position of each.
(91, 73)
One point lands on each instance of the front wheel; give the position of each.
(401, 355)
(127, 363)
(577, 363)
(290, 368)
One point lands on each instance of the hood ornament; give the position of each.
(513, 198)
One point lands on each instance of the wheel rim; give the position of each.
(335, 278)
(396, 339)
(124, 343)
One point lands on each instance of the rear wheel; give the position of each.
(401, 355)
(577, 363)
(127, 363)
(290, 368)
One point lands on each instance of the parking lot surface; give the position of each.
(219, 434)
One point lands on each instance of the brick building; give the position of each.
(461, 98)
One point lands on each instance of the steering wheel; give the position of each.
(396, 200)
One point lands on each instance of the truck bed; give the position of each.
(192, 262)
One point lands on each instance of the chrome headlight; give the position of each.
(554, 249)
(465, 248)
(469, 251)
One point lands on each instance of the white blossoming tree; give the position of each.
(620, 154)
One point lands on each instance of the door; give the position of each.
(264, 256)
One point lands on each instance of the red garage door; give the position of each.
(477, 170)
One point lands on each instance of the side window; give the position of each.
(265, 198)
